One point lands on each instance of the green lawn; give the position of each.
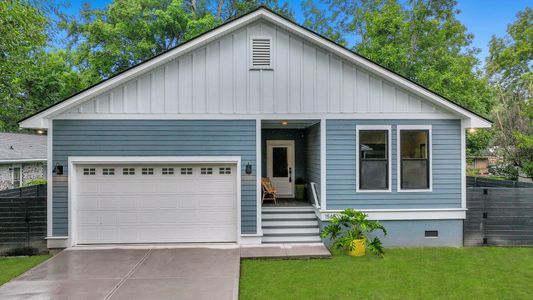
(445, 273)
(11, 267)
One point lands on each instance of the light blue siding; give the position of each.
(313, 155)
(154, 138)
(342, 171)
(411, 233)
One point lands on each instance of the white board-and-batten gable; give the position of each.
(216, 78)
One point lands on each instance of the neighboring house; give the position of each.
(173, 149)
(479, 163)
(22, 158)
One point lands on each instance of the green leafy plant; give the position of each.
(36, 181)
(350, 225)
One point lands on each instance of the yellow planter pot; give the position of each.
(358, 248)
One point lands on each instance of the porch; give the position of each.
(290, 160)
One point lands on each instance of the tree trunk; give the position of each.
(219, 12)
(193, 3)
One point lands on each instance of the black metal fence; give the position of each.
(498, 215)
(23, 218)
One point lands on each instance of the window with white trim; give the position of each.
(16, 176)
(373, 158)
(414, 159)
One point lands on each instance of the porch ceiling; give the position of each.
(287, 124)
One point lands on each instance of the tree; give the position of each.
(421, 40)
(125, 33)
(233, 8)
(509, 69)
(318, 20)
(31, 77)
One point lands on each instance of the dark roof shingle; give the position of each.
(19, 146)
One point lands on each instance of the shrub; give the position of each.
(350, 225)
(36, 181)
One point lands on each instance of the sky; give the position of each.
(483, 18)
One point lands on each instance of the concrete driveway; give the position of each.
(177, 273)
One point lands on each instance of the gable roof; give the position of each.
(17, 147)
(40, 119)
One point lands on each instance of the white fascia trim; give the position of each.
(50, 182)
(80, 160)
(323, 164)
(404, 214)
(24, 160)
(259, 172)
(40, 119)
(269, 116)
(398, 157)
(152, 159)
(463, 164)
(475, 121)
(389, 156)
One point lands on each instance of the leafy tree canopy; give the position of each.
(125, 33)
(31, 78)
(421, 40)
(509, 67)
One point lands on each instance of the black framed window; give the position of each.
(414, 159)
(373, 160)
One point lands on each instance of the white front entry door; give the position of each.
(155, 203)
(280, 166)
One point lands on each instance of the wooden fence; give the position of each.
(499, 216)
(486, 182)
(23, 218)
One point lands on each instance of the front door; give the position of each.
(280, 166)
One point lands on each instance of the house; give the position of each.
(22, 159)
(173, 149)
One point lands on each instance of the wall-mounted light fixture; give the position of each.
(248, 169)
(40, 131)
(58, 169)
(284, 123)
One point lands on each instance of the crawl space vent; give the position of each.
(431, 233)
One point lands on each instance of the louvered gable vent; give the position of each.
(261, 53)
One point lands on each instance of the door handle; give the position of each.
(290, 174)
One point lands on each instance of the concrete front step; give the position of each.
(292, 223)
(291, 239)
(292, 231)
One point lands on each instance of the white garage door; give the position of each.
(155, 203)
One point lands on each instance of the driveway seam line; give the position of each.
(128, 275)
